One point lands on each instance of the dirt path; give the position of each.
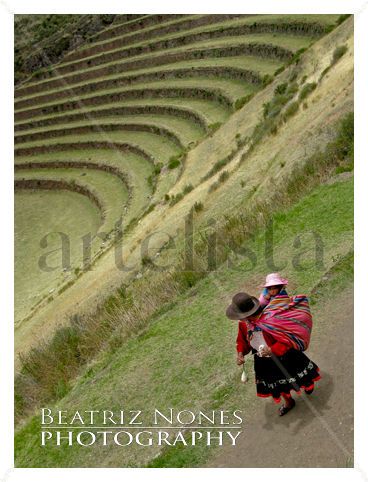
(318, 432)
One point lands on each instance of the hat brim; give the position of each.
(233, 312)
(283, 282)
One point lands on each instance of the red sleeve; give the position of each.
(279, 348)
(242, 343)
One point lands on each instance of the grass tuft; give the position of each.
(198, 206)
(291, 110)
(239, 103)
(342, 18)
(306, 90)
(338, 53)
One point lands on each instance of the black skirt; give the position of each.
(278, 375)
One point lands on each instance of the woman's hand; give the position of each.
(240, 359)
(265, 351)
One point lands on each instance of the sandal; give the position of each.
(283, 410)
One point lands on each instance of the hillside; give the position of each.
(142, 162)
(186, 356)
(42, 40)
(232, 121)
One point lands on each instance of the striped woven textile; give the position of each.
(288, 320)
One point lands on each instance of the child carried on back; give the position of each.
(274, 286)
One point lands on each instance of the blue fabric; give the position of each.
(282, 292)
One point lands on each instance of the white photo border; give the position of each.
(7, 10)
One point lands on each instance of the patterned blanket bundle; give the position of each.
(288, 320)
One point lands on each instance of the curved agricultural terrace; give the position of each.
(104, 135)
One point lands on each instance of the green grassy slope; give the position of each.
(182, 129)
(38, 213)
(150, 143)
(111, 190)
(210, 111)
(161, 33)
(185, 357)
(137, 171)
(262, 66)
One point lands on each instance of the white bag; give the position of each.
(244, 376)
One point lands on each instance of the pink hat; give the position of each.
(274, 279)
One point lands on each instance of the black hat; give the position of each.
(242, 306)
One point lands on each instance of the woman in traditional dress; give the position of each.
(277, 336)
